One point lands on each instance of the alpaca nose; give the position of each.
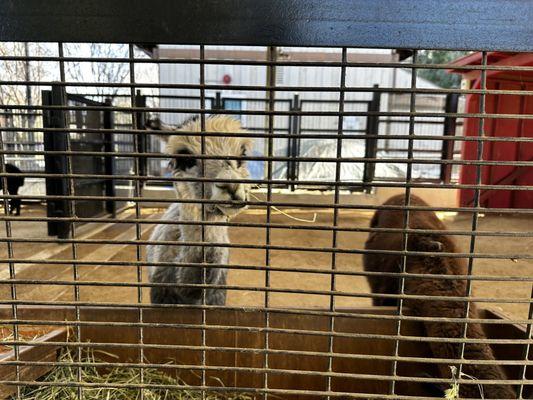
(238, 195)
(234, 190)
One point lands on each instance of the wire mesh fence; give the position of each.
(222, 221)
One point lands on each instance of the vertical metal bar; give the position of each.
(449, 129)
(293, 142)
(271, 81)
(297, 141)
(408, 180)
(140, 101)
(72, 210)
(371, 144)
(11, 266)
(109, 144)
(218, 103)
(29, 100)
(290, 128)
(475, 214)
(48, 144)
(137, 191)
(334, 239)
(527, 348)
(204, 216)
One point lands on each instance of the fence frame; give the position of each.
(503, 25)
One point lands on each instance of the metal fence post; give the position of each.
(450, 126)
(293, 148)
(56, 164)
(218, 102)
(109, 161)
(140, 101)
(371, 143)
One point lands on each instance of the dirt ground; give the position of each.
(54, 281)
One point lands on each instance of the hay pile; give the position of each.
(25, 334)
(121, 376)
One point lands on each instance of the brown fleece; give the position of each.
(437, 265)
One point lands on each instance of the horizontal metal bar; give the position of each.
(438, 138)
(473, 209)
(274, 371)
(255, 88)
(266, 158)
(298, 353)
(269, 247)
(134, 221)
(234, 328)
(347, 183)
(264, 391)
(303, 270)
(423, 151)
(406, 121)
(350, 314)
(263, 289)
(87, 283)
(279, 63)
(380, 160)
(499, 25)
(273, 112)
(483, 210)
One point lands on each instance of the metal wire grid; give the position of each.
(333, 312)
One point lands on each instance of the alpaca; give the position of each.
(13, 185)
(422, 264)
(187, 166)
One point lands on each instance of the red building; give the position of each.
(506, 126)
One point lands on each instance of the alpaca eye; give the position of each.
(183, 162)
(240, 163)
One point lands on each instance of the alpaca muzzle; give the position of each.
(235, 203)
(233, 196)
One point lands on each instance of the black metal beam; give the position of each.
(109, 161)
(54, 164)
(371, 142)
(450, 127)
(439, 24)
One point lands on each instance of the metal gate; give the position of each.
(75, 145)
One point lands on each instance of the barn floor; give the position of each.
(54, 280)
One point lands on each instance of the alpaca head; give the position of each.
(186, 164)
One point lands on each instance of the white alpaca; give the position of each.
(187, 166)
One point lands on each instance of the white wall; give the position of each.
(295, 78)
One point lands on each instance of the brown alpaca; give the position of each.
(431, 242)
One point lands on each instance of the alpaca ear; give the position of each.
(425, 243)
(155, 124)
(247, 148)
(375, 219)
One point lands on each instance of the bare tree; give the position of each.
(19, 71)
(97, 71)
(23, 73)
(109, 72)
